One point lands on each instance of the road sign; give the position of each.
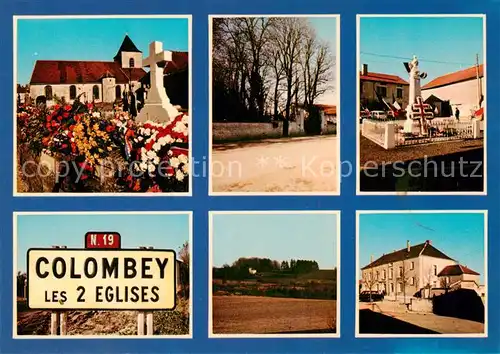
(101, 279)
(103, 240)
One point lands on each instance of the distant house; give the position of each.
(23, 93)
(389, 87)
(329, 112)
(462, 88)
(252, 271)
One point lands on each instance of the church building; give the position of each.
(101, 81)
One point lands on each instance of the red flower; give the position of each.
(65, 114)
(149, 145)
(56, 107)
(54, 123)
(154, 189)
(71, 127)
(64, 146)
(84, 177)
(67, 107)
(110, 128)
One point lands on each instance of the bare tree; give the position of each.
(369, 282)
(287, 36)
(445, 283)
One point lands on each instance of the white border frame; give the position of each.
(443, 335)
(337, 89)
(189, 193)
(358, 126)
(211, 214)
(14, 278)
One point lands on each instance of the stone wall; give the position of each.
(421, 305)
(233, 131)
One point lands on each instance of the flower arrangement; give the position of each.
(158, 154)
(155, 155)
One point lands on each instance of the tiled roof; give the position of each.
(180, 62)
(127, 46)
(327, 108)
(453, 78)
(425, 249)
(390, 79)
(52, 72)
(456, 269)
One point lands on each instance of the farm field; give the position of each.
(268, 315)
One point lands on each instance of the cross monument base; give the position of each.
(157, 112)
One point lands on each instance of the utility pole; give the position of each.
(479, 93)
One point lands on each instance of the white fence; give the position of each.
(393, 134)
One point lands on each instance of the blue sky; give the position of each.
(158, 231)
(92, 39)
(455, 41)
(275, 236)
(458, 235)
(326, 30)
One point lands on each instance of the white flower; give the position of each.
(179, 140)
(156, 146)
(185, 119)
(96, 114)
(147, 132)
(179, 175)
(143, 166)
(183, 158)
(140, 138)
(156, 160)
(170, 153)
(151, 154)
(174, 162)
(185, 168)
(151, 168)
(136, 140)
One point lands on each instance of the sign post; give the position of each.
(101, 277)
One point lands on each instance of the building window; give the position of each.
(48, 93)
(392, 288)
(377, 274)
(131, 62)
(400, 271)
(412, 265)
(435, 270)
(390, 273)
(399, 92)
(400, 286)
(72, 92)
(382, 91)
(384, 274)
(118, 92)
(412, 281)
(95, 92)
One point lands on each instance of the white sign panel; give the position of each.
(101, 279)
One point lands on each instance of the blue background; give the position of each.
(200, 203)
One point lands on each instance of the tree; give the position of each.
(445, 283)
(369, 281)
(185, 257)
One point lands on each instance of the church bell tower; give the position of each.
(128, 55)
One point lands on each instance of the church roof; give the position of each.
(127, 46)
(179, 63)
(423, 249)
(455, 77)
(53, 72)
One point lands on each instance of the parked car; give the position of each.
(364, 114)
(364, 296)
(378, 115)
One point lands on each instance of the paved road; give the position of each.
(291, 165)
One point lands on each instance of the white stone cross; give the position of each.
(157, 106)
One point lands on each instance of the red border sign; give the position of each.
(102, 239)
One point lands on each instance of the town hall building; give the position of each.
(416, 271)
(106, 81)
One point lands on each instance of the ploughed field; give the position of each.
(259, 314)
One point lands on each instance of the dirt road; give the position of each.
(279, 165)
(259, 315)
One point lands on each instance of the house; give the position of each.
(100, 81)
(329, 112)
(389, 87)
(406, 271)
(22, 93)
(462, 88)
(457, 276)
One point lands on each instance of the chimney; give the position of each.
(408, 246)
(365, 69)
(428, 242)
